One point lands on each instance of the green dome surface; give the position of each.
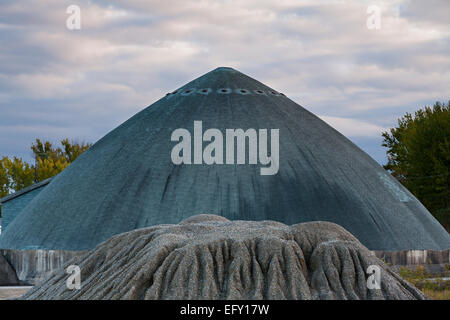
(127, 180)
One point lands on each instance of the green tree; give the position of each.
(49, 160)
(419, 157)
(19, 173)
(4, 180)
(73, 150)
(16, 174)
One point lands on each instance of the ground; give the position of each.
(435, 287)
(12, 292)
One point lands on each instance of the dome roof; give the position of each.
(129, 179)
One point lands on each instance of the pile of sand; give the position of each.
(210, 257)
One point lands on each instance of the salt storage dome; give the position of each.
(129, 179)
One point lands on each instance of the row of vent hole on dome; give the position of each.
(206, 91)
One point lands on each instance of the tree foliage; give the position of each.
(16, 174)
(4, 179)
(419, 157)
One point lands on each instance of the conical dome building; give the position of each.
(160, 167)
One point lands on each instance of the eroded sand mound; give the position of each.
(210, 257)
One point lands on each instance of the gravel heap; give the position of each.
(210, 257)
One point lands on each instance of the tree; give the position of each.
(19, 173)
(4, 180)
(49, 161)
(16, 174)
(419, 157)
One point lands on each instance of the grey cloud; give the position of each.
(130, 53)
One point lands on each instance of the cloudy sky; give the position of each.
(56, 82)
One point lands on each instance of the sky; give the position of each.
(329, 56)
